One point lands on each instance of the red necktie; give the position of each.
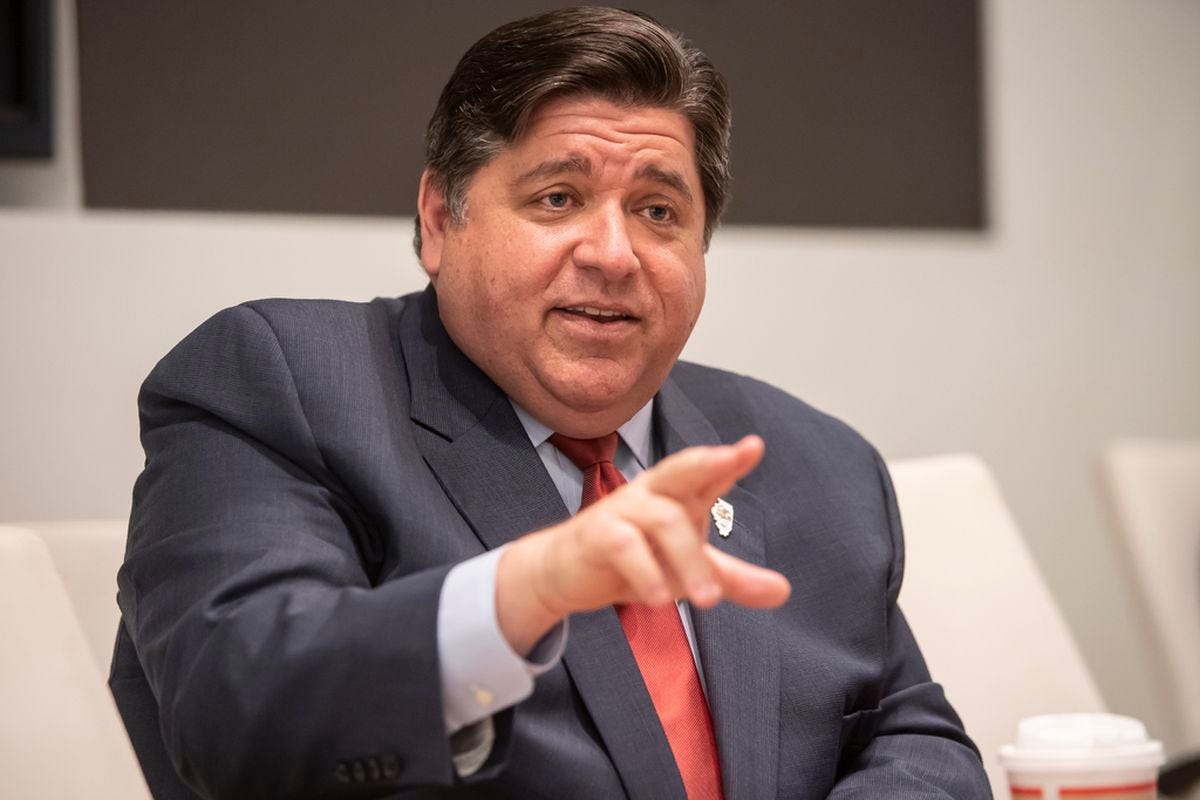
(659, 643)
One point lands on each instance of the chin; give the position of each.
(592, 392)
(583, 409)
(593, 401)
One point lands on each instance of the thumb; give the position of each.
(747, 584)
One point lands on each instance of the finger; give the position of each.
(748, 584)
(700, 473)
(746, 454)
(738, 460)
(631, 557)
(674, 537)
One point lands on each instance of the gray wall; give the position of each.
(1074, 320)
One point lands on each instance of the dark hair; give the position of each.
(623, 56)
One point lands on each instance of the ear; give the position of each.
(435, 219)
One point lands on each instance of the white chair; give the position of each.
(60, 734)
(87, 555)
(1154, 488)
(984, 617)
(1154, 492)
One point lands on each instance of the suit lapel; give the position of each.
(471, 437)
(472, 440)
(604, 671)
(737, 645)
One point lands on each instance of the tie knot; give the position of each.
(585, 453)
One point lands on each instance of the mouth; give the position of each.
(596, 314)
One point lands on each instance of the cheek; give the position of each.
(682, 288)
(699, 287)
(478, 268)
(512, 274)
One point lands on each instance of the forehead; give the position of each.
(591, 127)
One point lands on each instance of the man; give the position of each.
(355, 566)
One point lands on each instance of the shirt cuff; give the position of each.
(481, 674)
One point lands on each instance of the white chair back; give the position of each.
(1154, 489)
(984, 617)
(87, 554)
(60, 734)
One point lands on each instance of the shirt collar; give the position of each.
(637, 433)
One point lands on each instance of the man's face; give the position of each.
(579, 271)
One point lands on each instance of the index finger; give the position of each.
(701, 474)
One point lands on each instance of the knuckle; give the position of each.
(655, 517)
(666, 514)
(620, 536)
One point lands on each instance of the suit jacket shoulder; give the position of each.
(804, 446)
(730, 400)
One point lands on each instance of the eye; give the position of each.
(659, 213)
(556, 200)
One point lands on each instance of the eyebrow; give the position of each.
(667, 177)
(558, 167)
(583, 166)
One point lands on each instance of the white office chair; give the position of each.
(984, 617)
(60, 734)
(1154, 492)
(87, 555)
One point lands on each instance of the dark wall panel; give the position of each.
(847, 112)
(26, 79)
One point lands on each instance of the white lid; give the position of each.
(1068, 742)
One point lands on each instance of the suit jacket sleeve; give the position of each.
(280, 666)
(913, 745)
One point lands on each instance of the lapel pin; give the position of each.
(722, 514)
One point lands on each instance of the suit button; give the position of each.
(483, 695)
(391, 765)
(342, 773)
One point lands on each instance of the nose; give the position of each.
(606, 246)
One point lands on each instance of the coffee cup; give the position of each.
(1082, 757)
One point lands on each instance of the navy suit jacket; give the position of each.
(314, 469)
